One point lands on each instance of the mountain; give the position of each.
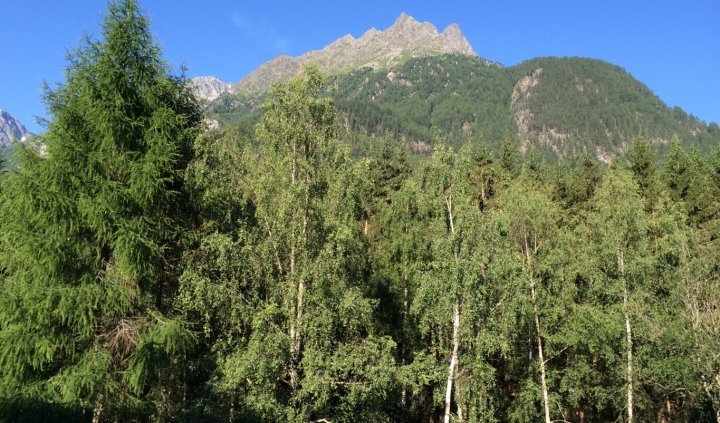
(557, 106)
(417, 85)
(208, 88)
(11, 130)
(572, 105)
(405, 39)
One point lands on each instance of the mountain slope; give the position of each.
(576, 104)
(558, 106)
(405, 39)
(415, 84)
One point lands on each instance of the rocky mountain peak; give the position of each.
(208, 88)
(404, 21)
(404, 39)
(409, 30)
(454, 38)
(11, 130)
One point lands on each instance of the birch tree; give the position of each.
(620, 227)
(532, 220)
(314, 320)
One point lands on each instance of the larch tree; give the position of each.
(92, 230)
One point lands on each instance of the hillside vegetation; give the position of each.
(557, 106)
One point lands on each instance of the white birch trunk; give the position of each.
(453, 362)
(460, 412)
(448, 203)
(294, 353)
(456, 328)
(628, 336)
(403, 351)
(536, 318)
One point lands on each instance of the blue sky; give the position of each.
(671, 46)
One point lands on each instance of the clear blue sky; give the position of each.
(671, 46)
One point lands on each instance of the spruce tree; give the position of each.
(92, 229)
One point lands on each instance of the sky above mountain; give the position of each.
(673, 47)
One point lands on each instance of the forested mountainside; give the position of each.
(557, 106)
(155, 270)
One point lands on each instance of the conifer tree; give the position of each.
(676, 171)
(509, 158)
(643, 164)
(93, 230)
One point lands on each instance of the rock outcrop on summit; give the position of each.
(208, 88)
(405, 39)
(11, 130)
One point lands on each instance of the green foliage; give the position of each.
(93, 228)
(277, 284)
(267, 271)
(596, 107)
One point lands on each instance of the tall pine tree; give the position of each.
(92, 230)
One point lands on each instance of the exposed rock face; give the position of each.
(208, 88)
(11, 130)
(405, 39)
(520, 108)
(519, 104)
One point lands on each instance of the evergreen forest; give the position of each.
(153, 270)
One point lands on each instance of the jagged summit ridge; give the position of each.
(404, 39)
(208, 88)
(11, 130)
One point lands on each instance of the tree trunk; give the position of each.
(536, 318)
(458, 403)
(456, 327)
(97, 410)
(628, 336)
(541, 357)
(666, 412)
(297, 312)
(448, 203)
(294, 353)
(294, 335)
(403, 349)
(453, 361)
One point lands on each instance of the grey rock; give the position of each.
(405, 39)
(11, 130)
(208, 88)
